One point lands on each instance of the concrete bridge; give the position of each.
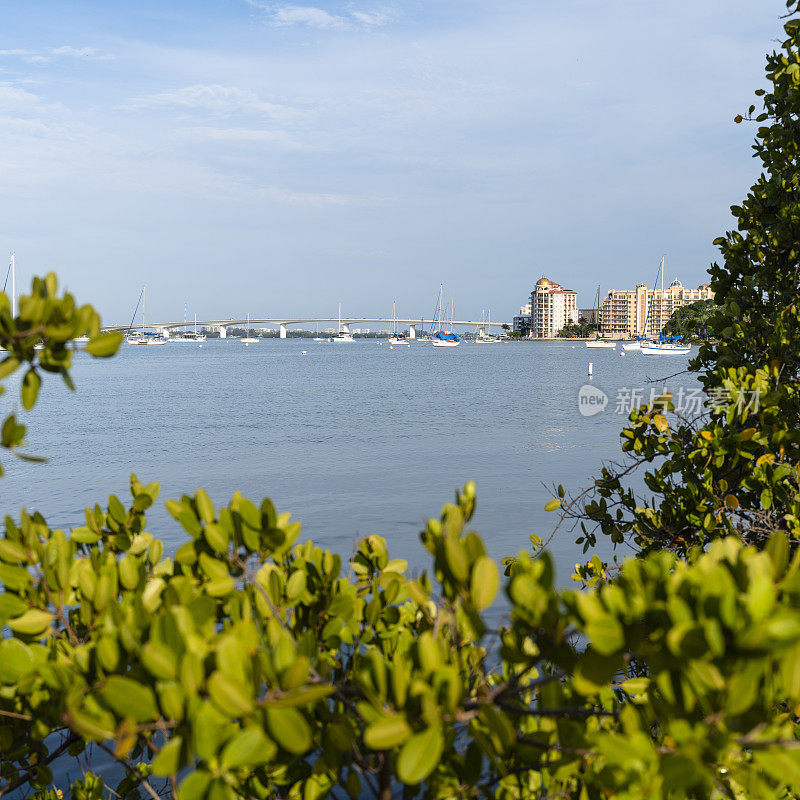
(283, 322)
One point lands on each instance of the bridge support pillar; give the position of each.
(482, 331)
(345, 327)
(283, 331)
(412, 331)
(223, 332)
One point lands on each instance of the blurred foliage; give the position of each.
(40, 340)
(252, 665)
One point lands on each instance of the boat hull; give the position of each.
(601, 345)
(664, 350)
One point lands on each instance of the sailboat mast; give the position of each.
(144, 302)
(661, 307)
(13, 286)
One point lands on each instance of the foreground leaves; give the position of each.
(253, 665)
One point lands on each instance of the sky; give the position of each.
(245, 156)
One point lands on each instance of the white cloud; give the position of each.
(220, 100)
(14, 99)
(285, 16)
(64, 51)
(372, 19)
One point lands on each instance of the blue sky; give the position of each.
(249, 156)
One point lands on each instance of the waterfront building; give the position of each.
(623, 312)
(552, 307)
(522, 321)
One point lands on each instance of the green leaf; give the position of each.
(16, 660)
(30, 388)
(387, 732)
(216, 537)
(159, 660)
(10, 606)
(289, 729)
(456, 558)
(420, 756)
(228, 695)
(12, 552)
(104, 344)
(205, 508)
(194, 785)
(168, 761)
(606, 634)
(7, 366)
(485, 580)
(248, 748)
(32, 623)
(130, 699)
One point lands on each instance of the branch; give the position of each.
(131, 772)
(23, 779)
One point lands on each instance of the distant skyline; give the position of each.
(272, 158)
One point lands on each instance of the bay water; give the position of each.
(353, 439)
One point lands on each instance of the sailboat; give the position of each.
(186, 335)
(598, 343)
(318, 338)
(143, 337)
(642, 337)
(247, 338)
(666, 345)
(447, 338)
(342, 335)
(397, 338)
(483, 337)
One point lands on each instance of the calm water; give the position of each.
(354, 439)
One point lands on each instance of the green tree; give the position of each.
(691, 321)
(735, 470)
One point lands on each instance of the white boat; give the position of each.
(665, 349)
(447, 338)
(342, 336)
(640, 337)
(483, 337)
(397, 338)
(186, 335)
(142, 337)
(601, 344)
(247, 339)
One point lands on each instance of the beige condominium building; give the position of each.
(552, 307)
(624, 311)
